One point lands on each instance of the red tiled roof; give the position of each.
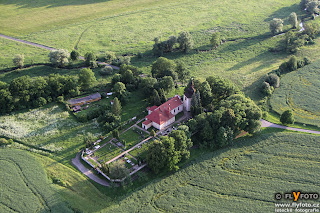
(162, 114)
(153, 108)
(147, 122)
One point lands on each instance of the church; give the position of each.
(162, 116)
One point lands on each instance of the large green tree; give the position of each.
(185, 41)
(163, 67)
(116, 107)
(182, 143)
(276, 26)
(59, 58)
(287, 117)
(86, 78)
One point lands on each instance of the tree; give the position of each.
(155, 98)
(89, 57)
(59, 58)
(116, 107)
(221, 88)
(185, 41)
(119, 89)
(311, 29)
(313, 7)
(273, 80)
(215, 39)
(18, 60)
(303, 4)
(89, 139)
(74, 55)
(266, 88)
(292, 63)
(224, 137)
(147, 85)
(162, 95)
(152, 133)
(182, 143)
(206, 94)
(109, 57)
(115, 134)
(107, 70)
(156, 156)
(162, 67)
(293, 20)
(276, 26)
(118, 170)
(166, 83)
(173, 156)
(287, 117)
(86, 78)
(182, 72)
(127, 77)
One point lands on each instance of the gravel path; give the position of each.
(49, 48)
(76, 161)
(269, 124)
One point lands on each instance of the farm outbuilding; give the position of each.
(85, 100)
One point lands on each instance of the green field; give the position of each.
(299, 91)
(8, 49)
(24, 185)
(101, 28)
(240, 179)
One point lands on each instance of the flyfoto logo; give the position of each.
(295, 196)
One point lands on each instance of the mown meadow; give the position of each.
(299, 91)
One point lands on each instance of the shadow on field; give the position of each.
(283, 12)
(49, 3)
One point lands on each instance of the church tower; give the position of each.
(188, 96)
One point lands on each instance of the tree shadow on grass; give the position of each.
(284, 12)
(49, 3)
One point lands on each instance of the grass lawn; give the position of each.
(131, 138)
(134, 107)
(107, 152)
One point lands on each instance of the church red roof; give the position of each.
(162, 113)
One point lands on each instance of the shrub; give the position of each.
(140, 55)
(107, 70)
(109, 57)
(276, 26)
(18, 60)
(287, 117)
(4, 141)
(293, 63)
(60, 99)
(40, 102)
(89, 56)
(74, 55)
(120, 60)
(306, 61)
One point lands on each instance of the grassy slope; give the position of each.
(299, 91)
(24, 185)
(8, 49)
(243, 61)
(247, 176)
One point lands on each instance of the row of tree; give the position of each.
(24, 92)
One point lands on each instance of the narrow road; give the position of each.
(269, 124)
(76, 161)
(49, 48)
